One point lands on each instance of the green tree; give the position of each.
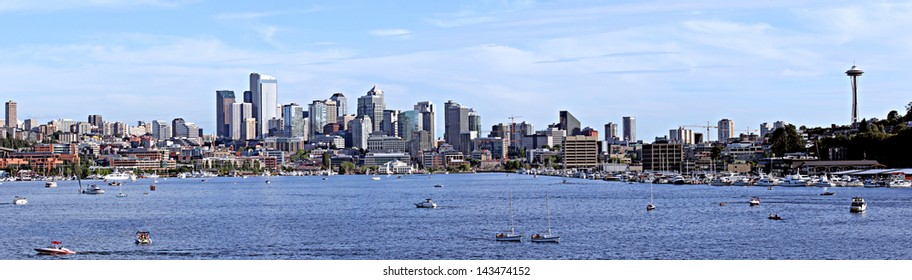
(786, 140)
(327, 160)
(893, 117)
(346, 167)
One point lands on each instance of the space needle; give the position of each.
(853, 74)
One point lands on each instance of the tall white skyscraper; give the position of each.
(238, 115)
(264, 89)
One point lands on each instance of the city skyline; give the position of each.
(688, 64)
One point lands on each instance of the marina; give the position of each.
(596, 219)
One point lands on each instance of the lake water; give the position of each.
(354, 217)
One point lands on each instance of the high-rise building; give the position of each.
(361, 128)
(161, 130)
(319, 112)
(390, 125)
(264, 89)
(239, 114)
(455, 123)
(726, 130)
(30, 124)
(681, 136)
(428, 122)
(569, 123)
(611, 132)
(96, 120)
(293, 115)
(474, 121)
(11, 120)
(248, 97)
(629, 124)
(223, 101)
(372, 105)
(765, 128)
(341, 105)
(409, 122)
(178, 129)
(580, 151)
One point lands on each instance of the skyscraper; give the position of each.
(223, 101)
(319, 112)
(96, 120)
(765, 128)
(611, 132)
(372, 105)
(341, 105)
(474, 121)
(264, 89)
(390, 125)
(361, 129)
(293, 115)
(161, 130)
(456, 122)
(629, 124)
(11, 120)
(239, 113)
(569, 123)
(726, 130)
(178, 129)
(428, 121)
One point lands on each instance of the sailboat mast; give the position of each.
(512, 228)
(548, 205)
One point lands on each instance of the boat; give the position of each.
(55, 249)
(722, 203)
(825, 182)
(898, 180)
(767, 180)
(754, 201)
(858, 205)
(117, 176)
(546, 237)
(720, 181)
(151, 187)
(375, 178)
(827, 193)
(93, 189)
(796, 180)
(678, 180)
(267, 181)
(512, 235)
(428, 203)
(114, 183)
(142, 238)
(438, 186)
(775, 217)
(20, 200)
(50, 184)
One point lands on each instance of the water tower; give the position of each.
(853, 74)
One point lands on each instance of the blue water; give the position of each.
(353, 217)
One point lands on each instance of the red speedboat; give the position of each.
(55, 249)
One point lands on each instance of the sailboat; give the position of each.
(120, 191)
(546, 237)
(650, 206)
(511, 236)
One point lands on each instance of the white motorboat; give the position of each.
(55, 249)
(375, 178)
(720, 181)
(755, 201)
(20, 200)
(796, 180)
(858, 205)
(93, 189)
(824, 182)
(50, 184)
(117, 176)
(898, 180)
(512, 235)
(678, 180)
(428, 203)
(546, 237)
(142, 238)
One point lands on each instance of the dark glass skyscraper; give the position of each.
(223, 101)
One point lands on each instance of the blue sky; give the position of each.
(668, 63)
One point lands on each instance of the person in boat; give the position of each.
(499, 235)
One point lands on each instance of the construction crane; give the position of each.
(707, 126)
(512, 125)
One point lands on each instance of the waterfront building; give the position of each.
(237, 126)
(629, 127)
(385, 144)
(264, 91)
(580, 151)
(569, 123)
(372, 105)
(293, 115)
(341, 105)
(378, 159)
(390, 125)
(223, 101)
(726, 130)
(663, 156)
(11, 119)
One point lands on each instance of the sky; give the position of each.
(668, 63)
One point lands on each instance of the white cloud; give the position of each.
(391, 32)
